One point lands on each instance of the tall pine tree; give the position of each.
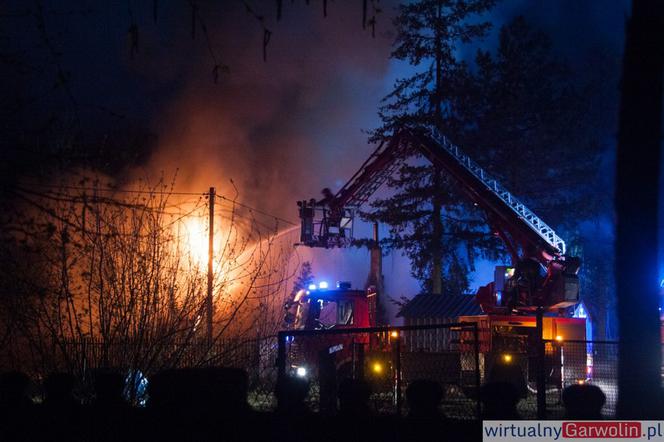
(520, 112)
(540, 129)
(427, 220)
(530, 122)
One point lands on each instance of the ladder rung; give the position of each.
(527, 215)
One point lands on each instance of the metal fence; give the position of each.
(142, 359)
(580, 362)
(389, 360)
(148, 356)
(566, 363)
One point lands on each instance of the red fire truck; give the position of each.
(541, 279)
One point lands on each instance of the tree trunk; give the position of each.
(436, 238)
(436, 209)
(636, 199)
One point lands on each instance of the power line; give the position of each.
(256, 210)
(180, 216)
(112, 189)
(78, 199)
(93, 189)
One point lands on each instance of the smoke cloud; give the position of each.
(282, 129)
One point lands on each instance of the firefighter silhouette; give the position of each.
(328, 196)
(331, 214)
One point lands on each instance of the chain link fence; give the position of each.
(566, 363)
(389, 360)
(580, 362)
(140, 360)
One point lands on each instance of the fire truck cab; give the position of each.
(319, 307)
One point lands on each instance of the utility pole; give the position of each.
(210, 275)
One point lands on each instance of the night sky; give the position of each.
(292, 123)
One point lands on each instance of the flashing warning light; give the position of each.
(377, 367)
(507, 358)
(580, 312)
(301, 372)
(312, 287)
(323, 285)
(394, 334)
(559, 338)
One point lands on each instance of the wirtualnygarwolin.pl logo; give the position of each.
(586, 431)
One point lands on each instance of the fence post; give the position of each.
(397, 351)
(281, 355)
(358, 360)
(541, 379)
(476, 348)
(84, 359)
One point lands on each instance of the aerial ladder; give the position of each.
(527, 301)
(541, 275)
